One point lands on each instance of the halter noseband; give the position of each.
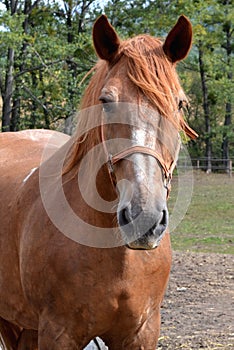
(113, 159)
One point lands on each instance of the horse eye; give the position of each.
(107, 107)
(107, 104)
(181, 104)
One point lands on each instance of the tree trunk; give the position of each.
(206, 108)
(71, 67)
(81, 7)
(225, 143)
(82, 16)
(44, 99)
(228, 108)
(11, 5)
(7, 96)
(15, 115)
(15, 118)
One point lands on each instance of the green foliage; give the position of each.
(48, 64)
(53, 52)
(12, 30)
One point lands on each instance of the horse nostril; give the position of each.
(164, 220)
(124, 216)
(162, 223)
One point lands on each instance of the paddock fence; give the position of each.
(214, 165)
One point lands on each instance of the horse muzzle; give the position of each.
(143, 230)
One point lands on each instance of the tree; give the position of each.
(228, 47)
(17, 18)
(49, 53)
(211, 58)
(46, 50)
(206, 107)
(75, 13)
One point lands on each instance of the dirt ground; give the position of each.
(198, 309)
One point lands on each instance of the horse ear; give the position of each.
(189, 131)
(179, 40)
(105, 39)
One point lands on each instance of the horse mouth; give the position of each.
(146, 242)
(141, 237)
(136, 246)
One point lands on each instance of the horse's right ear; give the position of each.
(105, 39)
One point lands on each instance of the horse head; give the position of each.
(140, 98)
(141, 74)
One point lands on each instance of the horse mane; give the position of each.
(149, 69)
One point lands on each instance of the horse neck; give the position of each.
(87, 184)
(87, 151)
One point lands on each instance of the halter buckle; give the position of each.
(110, 163)
(167, 180)
(167, 183)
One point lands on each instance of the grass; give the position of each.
(208, 225)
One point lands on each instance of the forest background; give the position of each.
(46, 50)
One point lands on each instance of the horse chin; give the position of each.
(137, 246)
(144, 243)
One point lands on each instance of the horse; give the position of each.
(72, 269)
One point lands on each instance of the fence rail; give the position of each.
(216, 165)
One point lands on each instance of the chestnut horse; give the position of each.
(69, 273)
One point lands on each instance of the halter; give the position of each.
(113, 159)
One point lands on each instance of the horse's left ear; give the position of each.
(189, 131)
(105, 39)
(179, 40)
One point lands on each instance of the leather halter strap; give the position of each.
(141, 149)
